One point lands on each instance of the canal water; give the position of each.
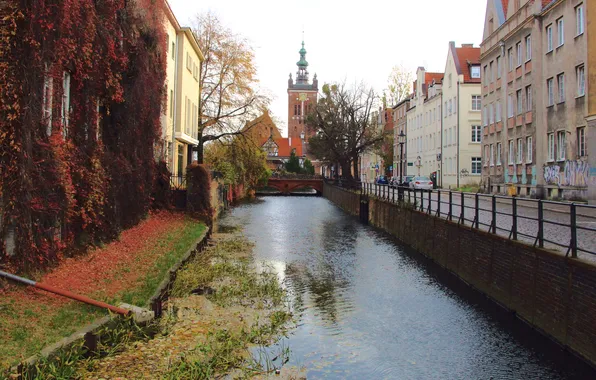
(368, 308)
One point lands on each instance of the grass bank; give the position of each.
(128, 270)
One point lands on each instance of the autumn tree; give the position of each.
(399, 85)
(344, 125)
(293, 164)
(229, 87)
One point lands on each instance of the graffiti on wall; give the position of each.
(574, 173)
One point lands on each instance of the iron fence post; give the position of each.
(439, 203)
(430, 202)
(450, 216)
(392, 195)
(415, 200)
(476, 211)
(514, 217)
(422, 200)
(573, 231)
(494, 215)
(462, 209)
(540, 224)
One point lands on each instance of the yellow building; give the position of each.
(181, 117)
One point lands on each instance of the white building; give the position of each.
(462, 130)
(424, 125)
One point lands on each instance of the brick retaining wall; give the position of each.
(554, 294)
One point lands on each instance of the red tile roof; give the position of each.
(467, 56)
(437, 77)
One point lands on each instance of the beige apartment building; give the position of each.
(400, 117)
(181, 117)
(534, 56)
(462, 134)
(424, 125)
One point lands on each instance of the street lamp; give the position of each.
(302, 135)
(401, 138)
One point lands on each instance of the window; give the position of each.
(188, 62)
(499, 145)
(549, 38)
(560, 32)
(581, 80)
(450, 107)
(173, 50)
(455, 105)
(475, 71)
(476, 134)
(510, 58)
(561, 146)
(520, 107)
(581, 142)
(171, 104)
(519, 54)
(520, 151)
(579, 19)
(486, 156)
(492, 72)
(551, 147)
(188, 116)
(48, 97)
(445, 109)
(485, 81)
(529, 149)
(499, 67)
(498, 112)
(510, 105)
(476, 102)
(528, 98)
(492, 155)
(65, 102)
(491, 114)
(528, 48)
(485, 116)
(550, 91)
(476, 165)
(561, 83)
(511, 153)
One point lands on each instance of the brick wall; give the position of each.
(556, 295)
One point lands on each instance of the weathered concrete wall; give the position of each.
(347, 200)
(556, 295)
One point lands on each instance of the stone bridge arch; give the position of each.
(286, 186)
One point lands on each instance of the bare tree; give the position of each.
(399, 85)
(228, 79)
(344, 126)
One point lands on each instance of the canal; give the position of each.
(368, 308)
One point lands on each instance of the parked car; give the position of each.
(407, 180)
(421, 183)
(382, 180)
(394, 183)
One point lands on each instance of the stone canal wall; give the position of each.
(554, 294)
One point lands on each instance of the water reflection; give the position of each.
(369, 309)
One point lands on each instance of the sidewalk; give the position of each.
(127, 270)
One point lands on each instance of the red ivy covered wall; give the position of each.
(82, 89)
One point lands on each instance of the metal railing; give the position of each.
(178, 182)
(542, 223)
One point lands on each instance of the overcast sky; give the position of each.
(345, 40)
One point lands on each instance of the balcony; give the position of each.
(187, 139)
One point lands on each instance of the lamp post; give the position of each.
(401, 138)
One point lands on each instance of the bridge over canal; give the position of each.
(288, 184)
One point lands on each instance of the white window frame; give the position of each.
(560, 32)
(580, 73)
(520, 150)
(491, 114)
(499, 67)
(520, 102)
(485, 116)
(551, 147)
(476, 133)
(499, 149)
(476, 164)
(581, 141)
(528, 48)
(511, 152)
(498, 112)
(529, 98)
(561, 88)
(518, 48)
(492, 155)
(476, 103)
(475, 71)
(529, 148)
(549, 38)
(486, 157)
(510, 106)
(550, 91)
(510, 58)
(561, 145)
(48, 99)
(579, 19)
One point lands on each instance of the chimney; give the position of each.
(467, 45)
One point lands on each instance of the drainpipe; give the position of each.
(458, 118)
(64, 293)
(175, 103)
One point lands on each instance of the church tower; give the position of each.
(302, 98)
